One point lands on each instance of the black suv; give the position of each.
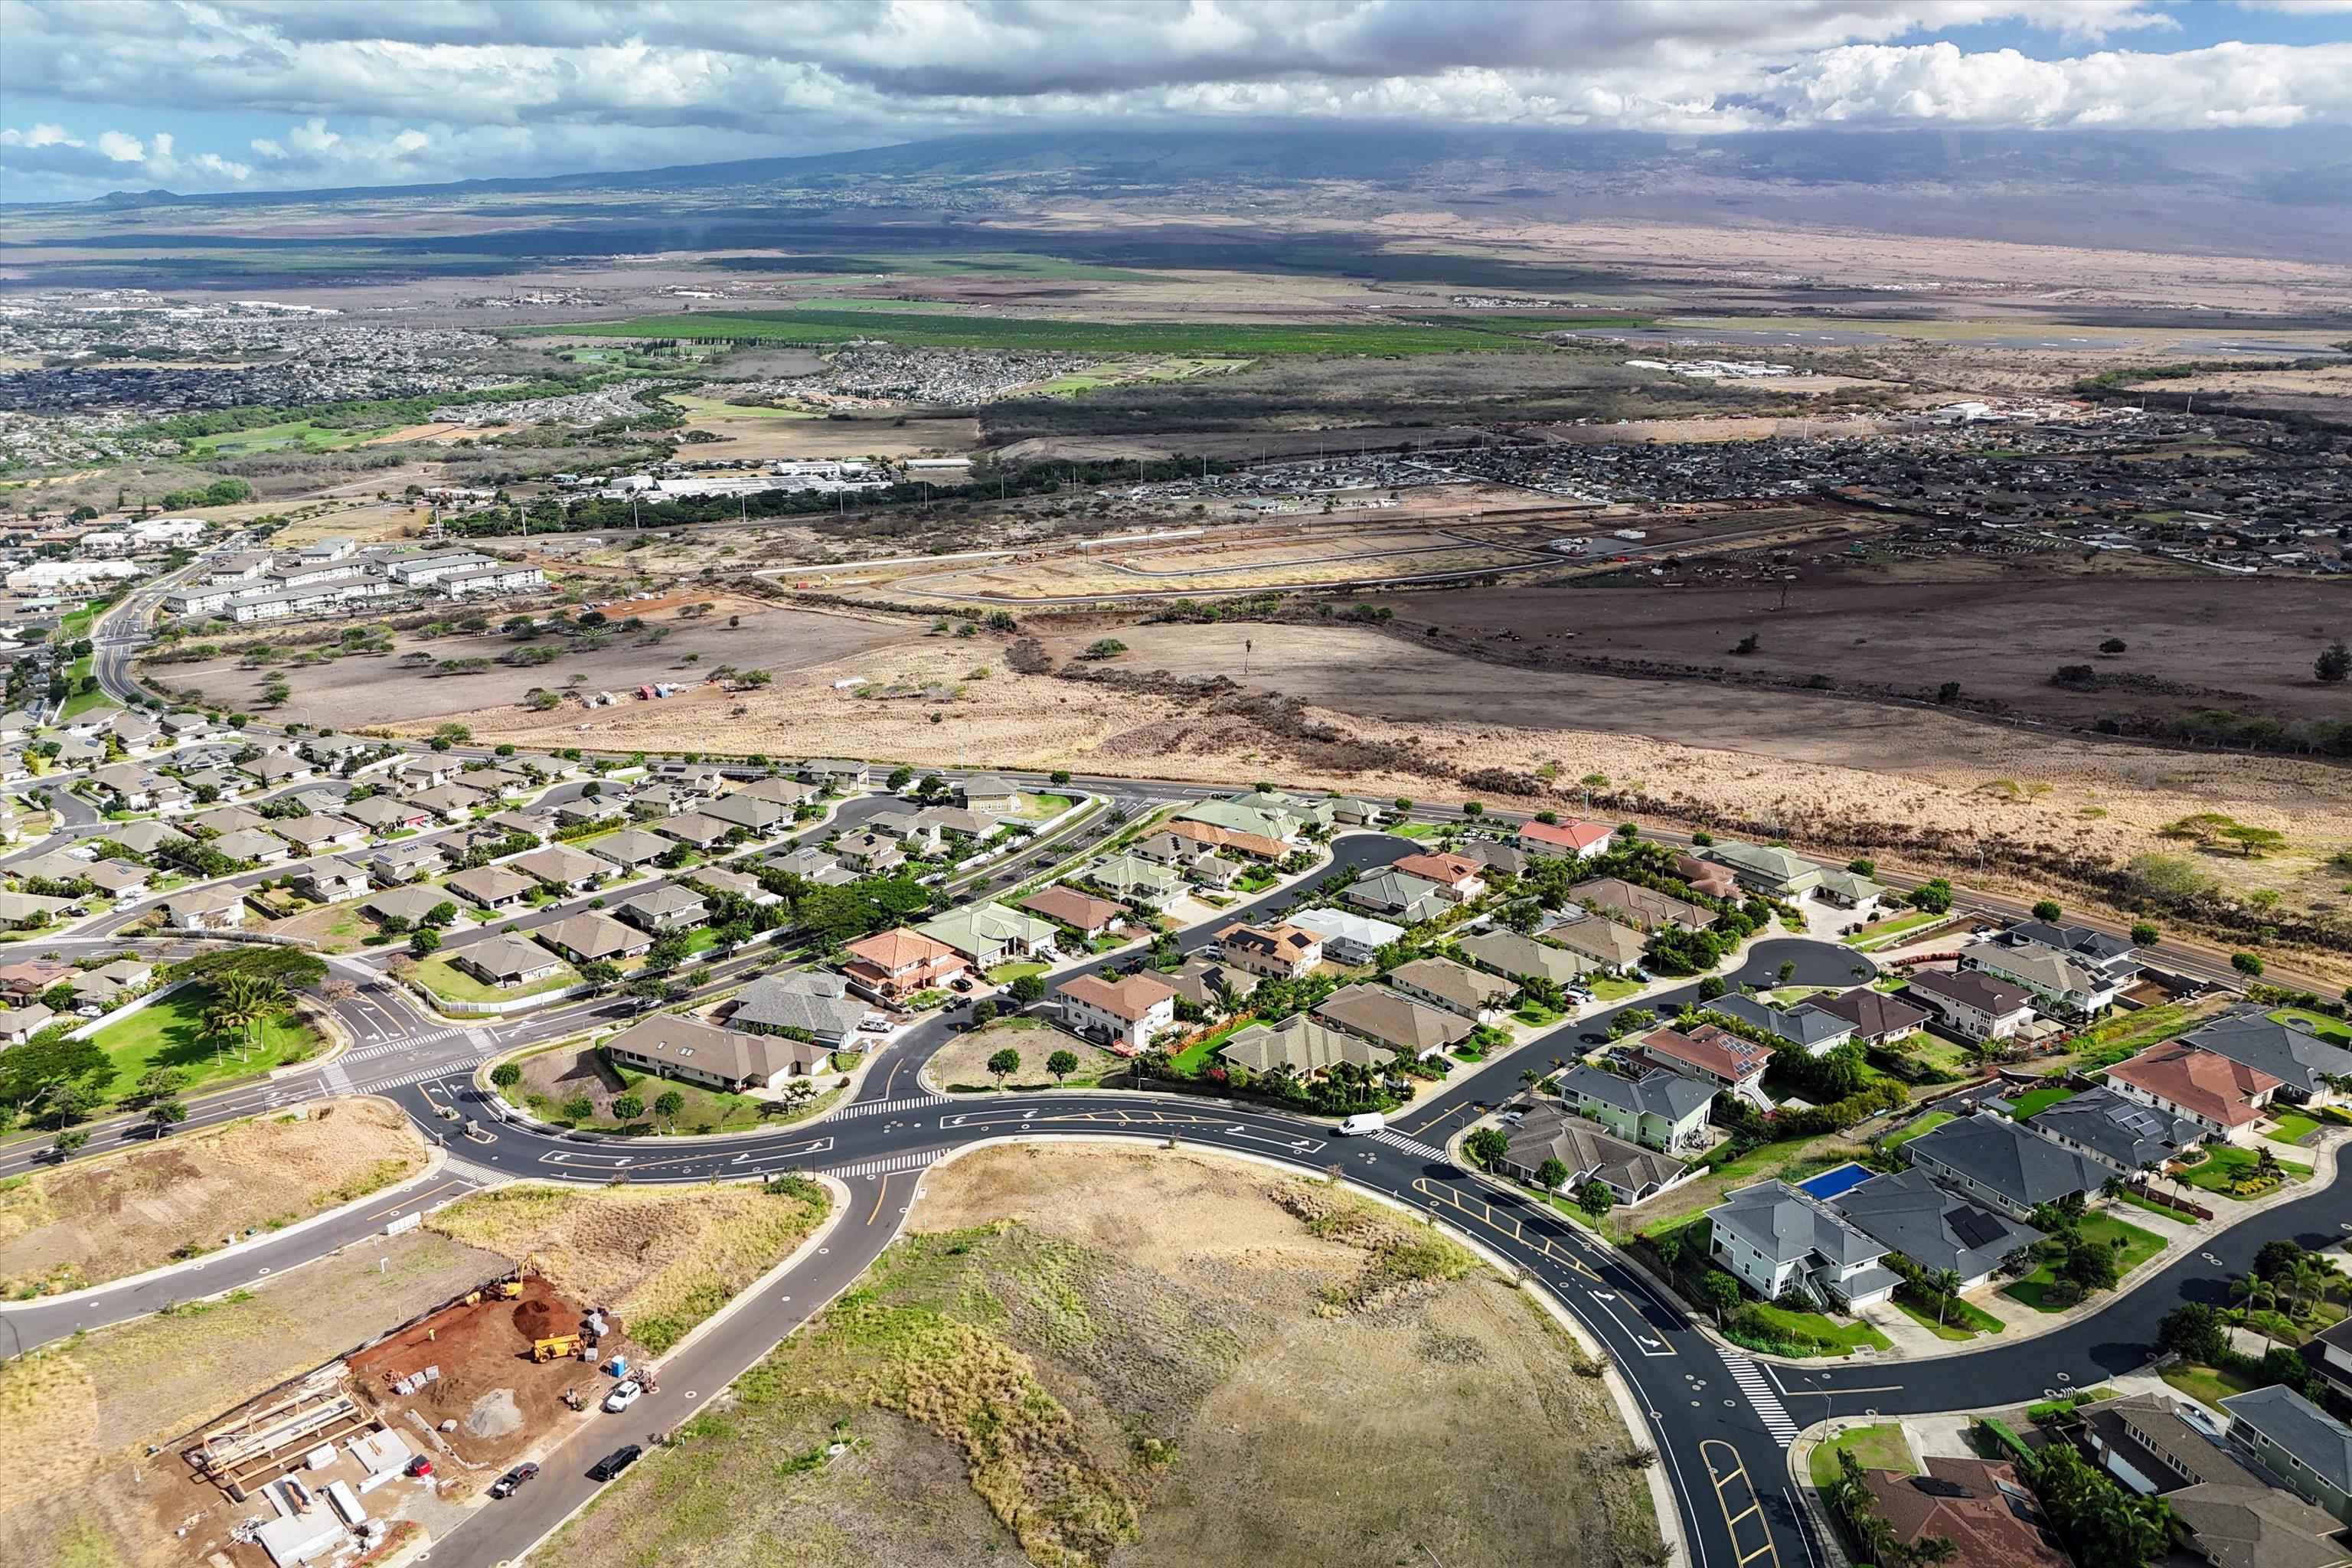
(614, 1463)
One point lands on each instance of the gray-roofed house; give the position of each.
(252, 844)
(719, 879)
(393, 864)
(1660, 1109)
(406, 903)
(1399, 1023)
(1500, 859)
(26, 911)
(2122, 1133)
(2004, 1164)
(1815, 1030)
(2143, 1441)
(988, 793)
(1645, 909)
(2300, 1060)
(1774, 1239)
(2308, 1451)
(631, 848)
(1455, 987)
(749, 812)
(1631, 1172)
(1523, 958)
(1347, 937)
(2061, 985)
(813, 866)
(507, 960)
(1398, 894)
(694, 828)
(383, 813)
(18, 1024)
(146, 837)
(840, 777)
(316, 834)
(332, 880)
(814, 1002)
(663, 907)
(2255, 1526)
(783, 792)
(1204, 983)
(593, 938)
(1299, 1042)
(870, 853)
(1933, 1229)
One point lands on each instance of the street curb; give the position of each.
(435, 1159)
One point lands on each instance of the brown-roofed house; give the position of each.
(1877, 1016)
(1638, 906)
(1983, 1508)
(1082, 913)
(1228, 840)
(1399, 1023)
(1457, 876)
(675, 1046)
(2195, 1085)
(1300, 1043)
(1707, 1052)
(1455, 987)
(1124, 1014)
(593, 938)
(893, 965)
(1281, 951)
(1706, 877)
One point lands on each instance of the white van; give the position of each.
(1362, 1122)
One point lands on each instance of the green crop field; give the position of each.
(294, 435)
(940, 330)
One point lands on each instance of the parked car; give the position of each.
(1513, 1118)
(623, 1394)
(420, 1466)
(614, 1463)
(512, 1481)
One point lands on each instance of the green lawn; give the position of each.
(2207, 1384)
(1872, 936)
(451, 983)
(2175, 1215)
(170, 1034)
(1823, 1335)
(1879, 1447)
(2335, 1031)
(2224, 1163)
(1536, 1016)
(1006, 973)
(1042, 807)
(1962, 1320)
(1926, 1123)
(1611, 987)
(2036, 1100)
(2139, 1246)
(2292, 1127)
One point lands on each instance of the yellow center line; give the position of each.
(880, 1187)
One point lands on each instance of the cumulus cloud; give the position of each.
(455, 87)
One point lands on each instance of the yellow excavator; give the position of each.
(512, 1285)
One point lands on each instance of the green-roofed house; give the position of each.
(991, 934)
(1768, 868)
(1137, 881)
(1847, 890)
(1281, 822)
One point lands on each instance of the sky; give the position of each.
(217, 95)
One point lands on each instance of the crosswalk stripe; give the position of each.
(1761, 1395)
(891, 1106)
(1410, 1145)
(886, 1165)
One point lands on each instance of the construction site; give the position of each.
(352, 1459)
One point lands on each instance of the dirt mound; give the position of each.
(494, 1414)
(535, 1318)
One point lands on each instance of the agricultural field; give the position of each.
(100, 1219)
(1024, 1374)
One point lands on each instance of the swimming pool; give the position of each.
(1831, 1184)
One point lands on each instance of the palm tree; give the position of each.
(1946, 1284)
(2256, 1293)
(241, 1002)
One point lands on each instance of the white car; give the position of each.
(623, 1395)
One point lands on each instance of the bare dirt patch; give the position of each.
(1166, 1373)
(81, 1414)
(962, 1063)
(96, 1220)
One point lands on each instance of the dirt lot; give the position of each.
(370, 690)
(1998, 628)
(664, 1258)
(103, 1219)
(752, 432)
(962, 1063)
(1171, 1392)
(79, 1415)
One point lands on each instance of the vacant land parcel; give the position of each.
(1023, 1373)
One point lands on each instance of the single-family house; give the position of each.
(781, 791)
(2113, 961)
(1277, 951)
(1208, 837)
(384, 814)
(1981, 1508)
(839, 776)
(1643, 908)
(253, 844)
(18, 1024)
(146, 837)
(908, 830)
(2004, 1164)
(1302, 1046)
(2308, 1068)
(562, 867)
(591, 937)
(870, 853)
(405, 861)
(2307, 1450)
(1971, 1003)
(1568, 840)
(1768, 868)
(507, 961)
(1712, 1055)
(675, 1044)
(1660, 1109)
(1495, 857)
(1135, 880)
(1877, 1016)
(1456, 987)
(1347, 937)
(750, 812)
(491, 887)
(446, 803)
(813, 866)
(665, 906)
(1908, 1213)
(1398, 894)
(1206, 984)
(1382, 1016)
(1631, 1172)
(198, 909)
(807, 1001)
(718, 881)
(1457, 878)
(1607, 944)
(991, 934)
(411, 904)
(632, 849)
(692, 827)
(989, 794)
(1848, 890)
(276, 769)
(1523, 958)
(316, 834)
(2224, 1098)
(2059, 985)
(893, 965)
(1271, 817)
(332, 880)
(1126, 1014)
(117, 879)
(1774, 1239)
(1087, 917)
(227, 819)
(2128, 1135)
